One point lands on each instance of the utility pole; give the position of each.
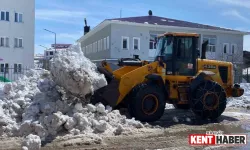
(120, 13)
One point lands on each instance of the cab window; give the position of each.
(184, 48)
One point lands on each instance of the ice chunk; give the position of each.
(70, 123)
(175, 119)
(119, 130)
(32, 142)
(100, 108)
(91, 108)
(100, 126)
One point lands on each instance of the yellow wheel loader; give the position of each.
(178, 76)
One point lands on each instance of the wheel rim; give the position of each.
(150, 104)
(211, 101)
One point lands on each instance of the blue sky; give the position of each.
(66, 17)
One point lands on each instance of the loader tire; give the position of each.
(146, 102)
(208, 100)
(181, 106)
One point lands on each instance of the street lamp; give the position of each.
(43, 46)
(55, 37)
(46, 52)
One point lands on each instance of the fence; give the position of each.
(8, 74)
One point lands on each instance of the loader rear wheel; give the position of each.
(147, 102)
(208, 100)
(181, 106)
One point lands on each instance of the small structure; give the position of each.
(49, 53)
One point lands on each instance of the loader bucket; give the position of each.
(107, 95)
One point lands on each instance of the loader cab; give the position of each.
(179, 52)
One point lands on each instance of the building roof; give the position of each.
(155, 20)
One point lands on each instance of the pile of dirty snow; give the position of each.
(73, 71)
(244, 100)
(38, 103)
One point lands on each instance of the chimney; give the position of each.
(86, 27)
(150, 13)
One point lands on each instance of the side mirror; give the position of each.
(198, 53)
(203, 50)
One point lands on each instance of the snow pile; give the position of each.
(244, 100)
(73, 71)
(35, 104)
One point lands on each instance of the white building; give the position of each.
(17, 31)
(49, 53)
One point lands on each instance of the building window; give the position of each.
(96, 47)
(51, 53)
(225, 48)
(17, 68)
(152, 41)
(7, 44)
(18, 42)
(211, 47)
(7, 16)
(125, 42)
(15, 42)
(2, 15)
(18, 17)
(99, 45)
(105, 43)
(108, 42)
(136, 43)
(233, 48)
(91, 48)
(2, 41)
(4, 68)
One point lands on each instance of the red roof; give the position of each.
(168, 22)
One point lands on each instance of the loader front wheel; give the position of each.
(209, 100)
(147, 102)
